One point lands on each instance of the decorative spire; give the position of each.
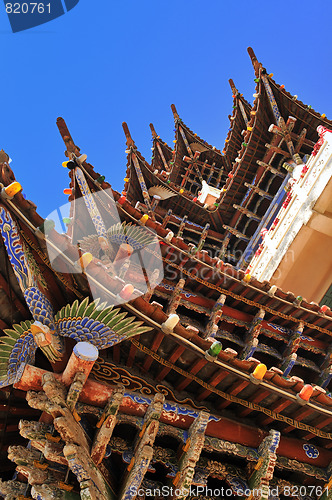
(133, 157)
(175, 113)
(257, 65)
(234, 89)
(67, 138)
(154, 133)
(130, 143)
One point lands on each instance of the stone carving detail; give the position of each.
(137, 473)
(47, 492)
(75, 390)
(216, 469)
(22, 456)
(85, 470)
(106, 426)
(219, 445)
(34, 431)
(307, 469)
(215, 316)
(176, 297)
(191, 453)
(76, 451)
(37, 433)
(143, 447)
(263, 470)
(10, 490)
(27, 462)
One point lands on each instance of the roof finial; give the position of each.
(129, 142)
(175, 113)
(257, 65)
(67, 138)
(154, 133)
(234, 89)
(4, 158)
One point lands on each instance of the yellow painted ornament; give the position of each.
(144, 218)
(259, 371)
(12, 189)
(85, 260)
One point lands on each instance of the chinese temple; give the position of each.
(173, 340)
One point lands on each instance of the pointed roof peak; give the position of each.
(67, 138)
(234, 89)
(4, 158)
(257, 65)
(154, 133)
(175, 113)
(130, 142)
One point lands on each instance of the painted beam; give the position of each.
(97, 394)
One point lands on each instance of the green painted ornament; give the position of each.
(215, 349)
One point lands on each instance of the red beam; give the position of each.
(256, 398)
(298, 415)
(155, 346)
(216, 378)
(131, 357)
(319, 425)
(116, 353)
(196, 367)
(236, 388)
(172, 359)
(278, 406)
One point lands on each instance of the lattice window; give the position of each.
(327, 299)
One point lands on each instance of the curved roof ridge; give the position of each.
(194, 135)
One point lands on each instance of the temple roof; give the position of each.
(262, 328)
(238, 124)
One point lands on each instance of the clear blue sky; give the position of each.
(106, 61)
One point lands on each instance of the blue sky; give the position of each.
(105, 62)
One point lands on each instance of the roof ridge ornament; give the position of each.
(130, 142)
(256, 64)
(234, 89)
(175, 113)
(154, 133)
